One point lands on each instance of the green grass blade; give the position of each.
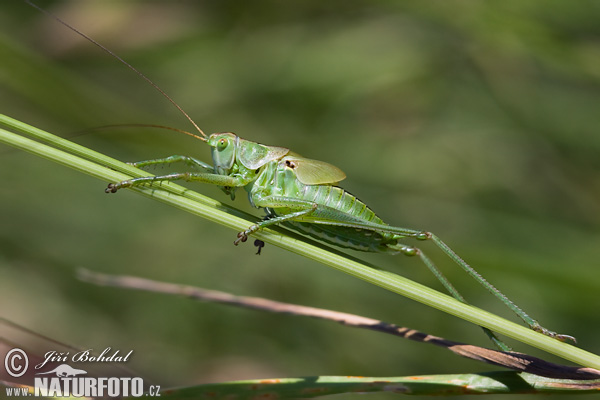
(431, 385)
(96, 165)
(499, 382)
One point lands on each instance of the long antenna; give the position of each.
(147, 126)
(131, 67)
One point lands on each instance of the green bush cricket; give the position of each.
(302, 194)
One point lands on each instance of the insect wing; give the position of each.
(314, 172)
(254, 155)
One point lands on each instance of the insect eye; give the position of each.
(222, 144)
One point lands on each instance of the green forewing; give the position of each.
(314, 172)
(254, 155)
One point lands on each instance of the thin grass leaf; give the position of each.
(499, 382)
(430, 385)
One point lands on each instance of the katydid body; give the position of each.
(302, 194)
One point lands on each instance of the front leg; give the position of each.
(204, 177)
(190, 161)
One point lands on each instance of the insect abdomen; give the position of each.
(338, 199)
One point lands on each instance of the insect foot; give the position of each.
(558, 336)
(113, 187)
(241, 237)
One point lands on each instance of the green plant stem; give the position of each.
(215, 211)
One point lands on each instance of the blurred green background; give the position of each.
(475, 120)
